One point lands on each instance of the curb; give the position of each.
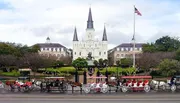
(90, 96)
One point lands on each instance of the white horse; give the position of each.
(159, 84)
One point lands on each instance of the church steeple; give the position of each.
(104, 38)
(90, 20)
(75, 38)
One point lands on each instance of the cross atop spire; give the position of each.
(90, 20)
(75, 38)
(104, 38)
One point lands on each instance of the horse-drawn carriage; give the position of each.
(96, 84)
(136, 83)
(54, 84)
(21, 84)
(173, 84)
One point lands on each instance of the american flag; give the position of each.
(137, 11)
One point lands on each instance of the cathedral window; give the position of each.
(80, 53)
(51, 49)
(47, 48)
(74, 53)
(99, 53)
(104, 53)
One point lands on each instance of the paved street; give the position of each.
(89, 101)
(123, 98)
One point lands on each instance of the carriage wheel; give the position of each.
(87, 89)
(15, 88)
(105, 89)
(65, 87)
(26, 89)
(124, 89)
(173, 88)
(147, 88)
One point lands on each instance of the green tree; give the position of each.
(126, 62)
(163, 44)
(6, 49)
(101, 63)
(169, 67)
(149, 48)
(96, 63)
(177, 55)
(58, 64)
(167, 43)
(80, 63)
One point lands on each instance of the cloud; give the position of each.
(31, 21)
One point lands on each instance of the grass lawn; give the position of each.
(11, 74)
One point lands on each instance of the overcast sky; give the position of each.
(31, 21)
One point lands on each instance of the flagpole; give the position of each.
(134, 58)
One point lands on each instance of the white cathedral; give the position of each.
(98, 49)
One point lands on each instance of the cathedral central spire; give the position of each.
(90, 20)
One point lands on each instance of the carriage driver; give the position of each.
(173, 79)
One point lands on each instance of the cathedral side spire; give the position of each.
(90, 20)
(104, 38)
(75, 38)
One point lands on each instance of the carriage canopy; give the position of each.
(136, 77)
(54, 77)
(97, 77)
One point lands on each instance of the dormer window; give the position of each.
(122, 49)
(127, 49)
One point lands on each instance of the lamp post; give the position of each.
(105, 65)
(117, 70)
(76, 74)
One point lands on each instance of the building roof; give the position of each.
(126, 45)
(130, 45)
(50, 45)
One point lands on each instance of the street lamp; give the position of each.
(117, 70)
(76, 74)
(106, 65)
